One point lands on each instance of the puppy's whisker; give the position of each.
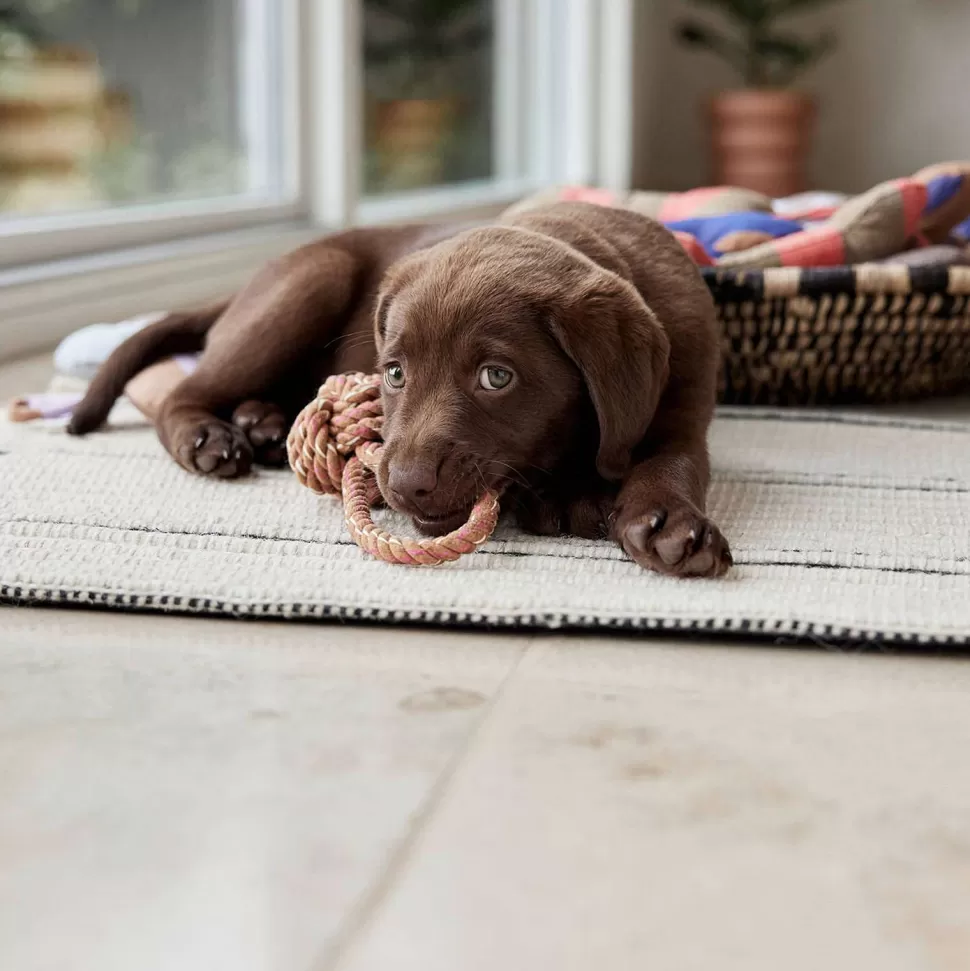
(512, 475)
(354, 345)
(339, 340)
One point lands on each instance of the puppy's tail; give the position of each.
(177, 333)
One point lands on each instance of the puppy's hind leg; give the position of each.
(258, 364)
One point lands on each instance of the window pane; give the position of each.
(106, 103)
(429, 92)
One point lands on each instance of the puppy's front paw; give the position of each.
(213, 447)
(677, 541)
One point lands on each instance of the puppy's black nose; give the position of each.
(413, 481)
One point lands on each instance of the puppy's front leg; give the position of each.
(659, 517)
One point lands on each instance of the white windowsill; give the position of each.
(25, 241)
(41, 304)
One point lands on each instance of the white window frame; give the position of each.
(563, 91)
(563, 115)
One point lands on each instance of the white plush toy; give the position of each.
(80, 354)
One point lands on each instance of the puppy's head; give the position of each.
(502, 351)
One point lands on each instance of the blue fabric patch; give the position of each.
(708, 230)
(941, 190)
(963, 230)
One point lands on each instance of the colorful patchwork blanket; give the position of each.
(730, 227)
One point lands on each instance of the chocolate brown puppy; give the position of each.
(566, 355)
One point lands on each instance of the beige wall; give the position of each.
(894, 97)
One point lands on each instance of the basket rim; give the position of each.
(863, 278)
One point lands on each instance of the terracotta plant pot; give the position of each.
(761, 140)
(409, 136)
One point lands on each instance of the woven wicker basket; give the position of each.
(870, 333)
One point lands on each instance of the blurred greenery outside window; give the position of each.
(428, 93)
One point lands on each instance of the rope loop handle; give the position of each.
(334, 447)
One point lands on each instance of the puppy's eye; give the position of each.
(494, 378)
(394, 376)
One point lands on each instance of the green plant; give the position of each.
(44, 8)
(19, 31)
(413, 41)
(24, 23)
(765, 55)
(126, 172)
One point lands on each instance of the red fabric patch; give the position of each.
(694, 249)
(684, 205)
(597, 197)
(814, 247)
(810, 215)
(914, 197)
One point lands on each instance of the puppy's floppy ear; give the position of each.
(393, 284)
(623, 353)
(399, 276)
(384, 297)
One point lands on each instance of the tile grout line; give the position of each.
(363, 913)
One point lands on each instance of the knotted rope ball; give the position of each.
(335, 448)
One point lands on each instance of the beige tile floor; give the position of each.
(195, 794)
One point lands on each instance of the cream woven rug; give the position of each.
(842, 527)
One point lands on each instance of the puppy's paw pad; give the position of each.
(215, 448)
(678, 542)
(266, 427)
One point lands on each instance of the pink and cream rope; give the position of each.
(334, 448)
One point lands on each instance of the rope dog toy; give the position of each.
(335, 447)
